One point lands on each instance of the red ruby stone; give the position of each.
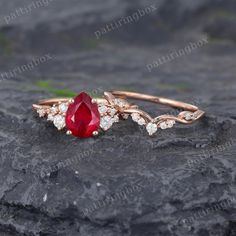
(83, 117)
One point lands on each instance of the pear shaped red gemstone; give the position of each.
(83, 117)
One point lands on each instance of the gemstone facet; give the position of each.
(59, 122)
(63, 107)
(151, 128)
(82, 116)
(106, 122)
(137, 118)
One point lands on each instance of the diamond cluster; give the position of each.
(109, 116)
(167, 124)
(85, 122)
(189, 116)
(121, 103)
(111, 112)
(56, 114)
(138, 119)
(152, 127)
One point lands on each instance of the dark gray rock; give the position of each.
(181, 182)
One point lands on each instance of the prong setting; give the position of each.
(95, 133)
(68, 132)
(111, 109)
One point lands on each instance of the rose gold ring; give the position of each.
(85, 116)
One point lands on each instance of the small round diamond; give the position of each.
(115, 119)
(41, 112)
(163, 125)
(50, 117)
(170, 123)
(106, 122)
(188, 116)
(125, 116)
(135, 117)
(141, 121)
(54, 110)
(63, 107)
(195, 115)
(102, 109)
(151, 128)
(120, 102)
(59, 122)
(112, 111)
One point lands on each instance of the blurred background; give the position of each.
(181, 49)
(87, 54)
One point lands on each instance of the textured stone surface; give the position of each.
(122, 183)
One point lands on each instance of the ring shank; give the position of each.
(132, 95)
(155, 99)
(51, 101)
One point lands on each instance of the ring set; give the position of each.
(85, 116)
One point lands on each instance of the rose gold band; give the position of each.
(116, 106)
(155, 99)
(132, 95)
